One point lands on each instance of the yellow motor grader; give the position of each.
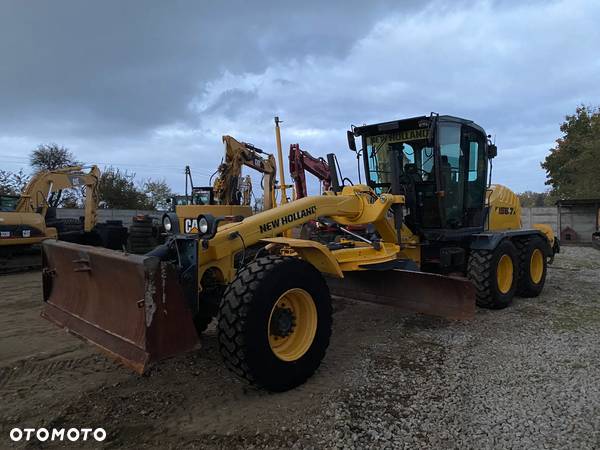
(444, 241)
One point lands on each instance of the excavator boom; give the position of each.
(301, 162)
(229, 180)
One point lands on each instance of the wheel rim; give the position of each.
(292, 324)
(504, 274)
(536, 266)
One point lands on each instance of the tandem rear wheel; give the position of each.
(533, 266)
(494, 274)
(274, 322)
(512, 268)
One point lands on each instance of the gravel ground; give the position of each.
(524, 377)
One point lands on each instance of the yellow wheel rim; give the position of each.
(292, 324)
(536, 266)
(504, 274)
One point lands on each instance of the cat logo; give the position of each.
(190, 226)
(506, 211)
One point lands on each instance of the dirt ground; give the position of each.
(524, 377)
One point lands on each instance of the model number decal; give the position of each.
(506, 211)
(287, 219)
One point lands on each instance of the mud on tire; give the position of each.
(482, 271)
(245, 316)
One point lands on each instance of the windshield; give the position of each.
(197, 198)
(415, 153)
(8, 202)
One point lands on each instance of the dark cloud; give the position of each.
(114, 66)
(152, 85)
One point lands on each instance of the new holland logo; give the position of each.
(399, 136)
(190, 226)
(287, 219)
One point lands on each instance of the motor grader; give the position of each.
(444, 241)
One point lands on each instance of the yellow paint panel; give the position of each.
(504, 209)
(314, 252)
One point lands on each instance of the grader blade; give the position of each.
(425, 293)
(130, 306)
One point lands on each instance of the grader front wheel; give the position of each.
(275, 322)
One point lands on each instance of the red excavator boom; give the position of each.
(301, 162)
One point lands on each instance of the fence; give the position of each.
(125, 215)
(543, 215)
(577, 223)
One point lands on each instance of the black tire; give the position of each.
(140, 231)
(482, 271)
(531, 284)
(245, 317)
(141, 239)
(65, 225)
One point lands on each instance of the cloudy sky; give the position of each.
(150, 86)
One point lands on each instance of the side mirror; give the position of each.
(351, 141)
(492, 151)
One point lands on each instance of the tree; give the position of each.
(12, 183)
(157, 194)
(529, 199)
(117, 189)
(51, 157)
(5, 183)
(573, 166)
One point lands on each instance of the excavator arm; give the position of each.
(43, 191)
(229, 179)
(301, 162)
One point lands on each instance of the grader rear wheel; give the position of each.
(494, 274)
(533, 267)
(274, 322)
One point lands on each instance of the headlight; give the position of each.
(167, 224)
(203, 225)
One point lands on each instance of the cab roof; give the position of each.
(410, 123)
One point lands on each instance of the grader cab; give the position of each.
(443, 242)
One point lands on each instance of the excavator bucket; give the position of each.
(425, 293)
(130, 306)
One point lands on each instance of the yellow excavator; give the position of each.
(444, 241)
(32, 217)
(230, 195)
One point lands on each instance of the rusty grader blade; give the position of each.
(130, 306)
(426, 293)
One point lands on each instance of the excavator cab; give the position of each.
(442, 163)
(8, 202)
